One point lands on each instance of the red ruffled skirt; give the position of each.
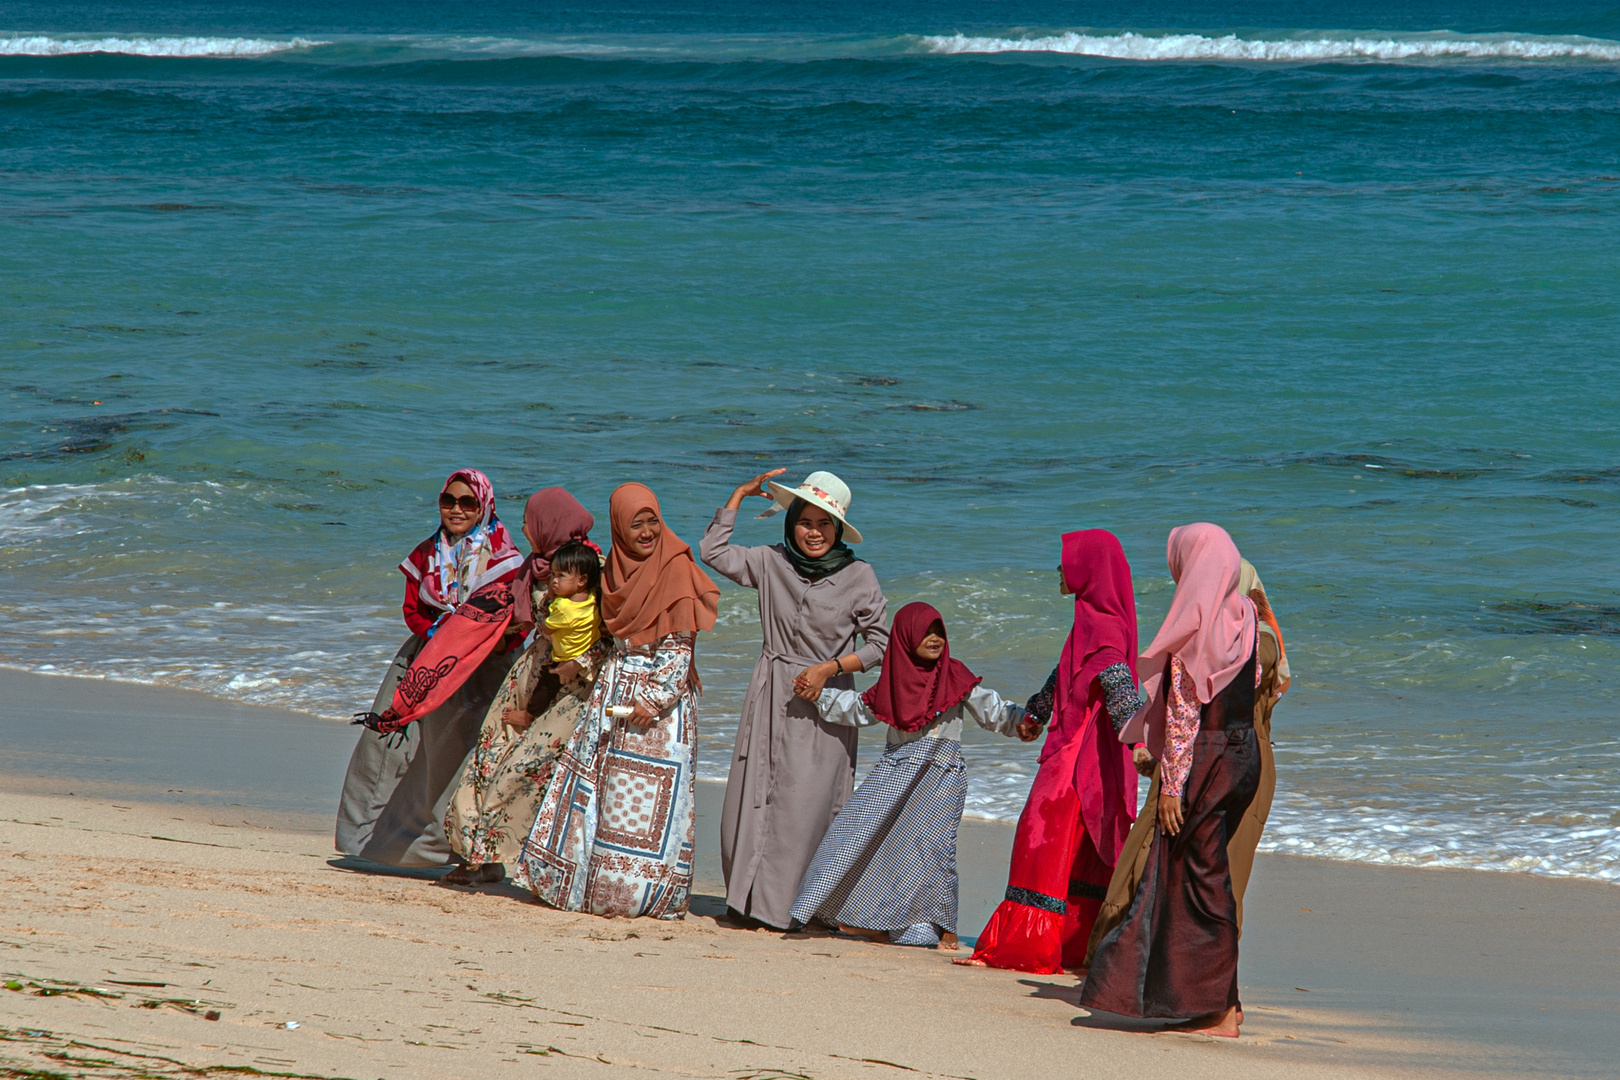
(1056, 885)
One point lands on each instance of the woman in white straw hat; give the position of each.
(791, 772)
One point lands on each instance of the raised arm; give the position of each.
(716, 548)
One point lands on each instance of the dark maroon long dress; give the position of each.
(1175, 953)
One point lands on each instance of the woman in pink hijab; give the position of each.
(1083, 801)
(1174, 954)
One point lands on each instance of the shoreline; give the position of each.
(201, 704)
(1379, 970)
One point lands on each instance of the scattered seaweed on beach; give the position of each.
(23, 984)
(67, 1052)
(194, 1006)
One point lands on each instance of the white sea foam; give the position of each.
(1133, 46)
(49, 45)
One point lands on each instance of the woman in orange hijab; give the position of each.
(616, 826)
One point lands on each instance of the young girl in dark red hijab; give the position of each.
(887, 868)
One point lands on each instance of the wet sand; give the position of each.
(160, 836)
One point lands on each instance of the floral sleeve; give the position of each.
(1119, 692)
(1181, 727)
(660, 687)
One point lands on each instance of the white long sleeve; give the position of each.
(844, 707)
(991, 711)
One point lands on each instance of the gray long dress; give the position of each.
(791, 771)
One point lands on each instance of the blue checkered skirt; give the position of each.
(889, 860)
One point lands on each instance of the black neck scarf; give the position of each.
(837, 557)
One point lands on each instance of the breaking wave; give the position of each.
(44, 45)
(1133, 46)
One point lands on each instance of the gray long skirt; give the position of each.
(399, 786)
(889, 860)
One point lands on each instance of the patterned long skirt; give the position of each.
(889, 860)
(615, 831)
(499, 795)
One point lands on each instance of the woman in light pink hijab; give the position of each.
(1174, 954)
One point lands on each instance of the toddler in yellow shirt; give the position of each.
(573, 620)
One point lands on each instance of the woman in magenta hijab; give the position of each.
(1083, 800)
(1175, 952)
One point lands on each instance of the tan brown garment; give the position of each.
(1240, 848)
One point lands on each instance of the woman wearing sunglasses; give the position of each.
(427, 714)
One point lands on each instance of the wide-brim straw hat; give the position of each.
(821, 489)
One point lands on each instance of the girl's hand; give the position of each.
(753, 487)
(517, 718)
(809, 682)
(1143, 761)
(1029, 730)
(567, 671)
(1170, 816)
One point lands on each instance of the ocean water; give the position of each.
(1344, 278)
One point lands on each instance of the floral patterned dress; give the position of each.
(499, 794)
(616, 827)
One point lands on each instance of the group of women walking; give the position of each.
(568, 764)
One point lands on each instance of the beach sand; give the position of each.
(175, 851)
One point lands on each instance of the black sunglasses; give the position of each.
(468, 503)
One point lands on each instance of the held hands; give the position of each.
(517, 719)
(1143, 761)
(1028, 730)
(1170, 815)
(753, 487)
(567, 671)
(809, 682)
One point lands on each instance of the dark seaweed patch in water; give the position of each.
(1392, 466)
(952, 405)
(1584, 504)
(1593, 476)
(876, 380)
(1568, 617)
(94, 434)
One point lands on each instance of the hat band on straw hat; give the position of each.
(822, 489)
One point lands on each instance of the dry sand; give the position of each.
(239, 909)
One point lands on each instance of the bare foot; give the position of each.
(880, 937)
(1223, 1025)
(949, 942)
(968, 961)
(1240, 1014)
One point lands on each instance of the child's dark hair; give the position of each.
(577, 558)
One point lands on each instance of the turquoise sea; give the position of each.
(1344, 278)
